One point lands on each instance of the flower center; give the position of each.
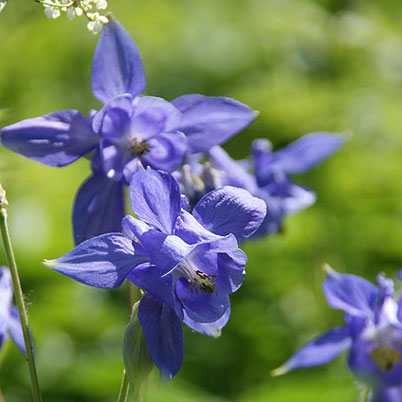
(138, 147)
(197, 279)
(386, 357)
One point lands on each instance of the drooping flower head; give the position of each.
(129, 128)
(9, 318)
(187, 263)
(372, 333)
(266, 175)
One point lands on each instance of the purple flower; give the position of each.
(372, 333)
(267, 174)
(9, 318)
(188, 264)
(128, 129)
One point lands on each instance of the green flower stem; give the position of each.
(19, 296)
(124, 388)
(364, 394)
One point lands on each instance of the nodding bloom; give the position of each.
(372, 332)
(266, 174)
(187, 263)
(10, 323)
(129, 128)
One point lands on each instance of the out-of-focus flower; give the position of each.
(372, 333)
(266, 175)
(10, 323)
(188, 264)
(128, 129)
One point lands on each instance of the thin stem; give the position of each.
(124, 388)
(364, 394)
(19, 297)
(131, 296)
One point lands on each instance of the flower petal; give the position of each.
(15, 329)
(117, 66)
(163, 334)
(56, 139)
(213, 329)
(155, 198)
(102, 262)
(166, 151)
(98, 208)
(201, 306)
(230, 210)
(150, 279)
(235, 174)
(209, 121)
(352, 294)
(307, 152)
(319, 351)
(133, 228)
(165, 251)
(153, 115)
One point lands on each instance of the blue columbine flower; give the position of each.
(128, 129)
(188, 264)
(10, 323)
(372, 333)
(266, 175)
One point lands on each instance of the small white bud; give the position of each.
(101, 4)
(70, 13)
(103, 19)
(78, 11)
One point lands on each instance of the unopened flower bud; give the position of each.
(137, 361)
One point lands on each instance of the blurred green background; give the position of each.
(333, 65)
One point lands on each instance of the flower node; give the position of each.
(138, 147)
(386, 357)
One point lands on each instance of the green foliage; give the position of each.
(306, 65)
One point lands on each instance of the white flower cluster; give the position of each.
(77, 8)
(2, 4)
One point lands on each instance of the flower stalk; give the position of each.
(124, 388)
(19, 297)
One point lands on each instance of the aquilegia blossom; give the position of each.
(128, 129)
(9, 318)
(266, 175)
(372, 333)
(188, 264)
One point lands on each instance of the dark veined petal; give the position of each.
(166, 151)
(163, 334)
(56, 139)
(15, 329)
(155, 198)
(98, 208)
(213, 329)
(102, 261)
(209, 121)
(117, 66)
(230, 210)
(307, 152)
(319, 351)
(352, 294)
